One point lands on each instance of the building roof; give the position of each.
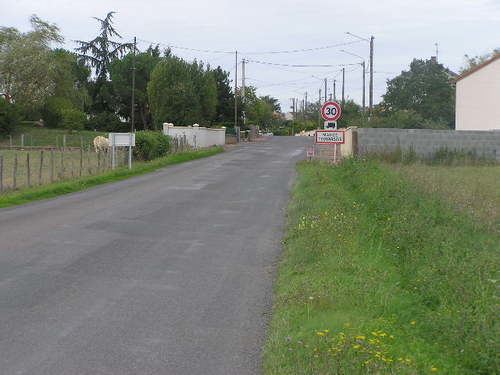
(478, 67)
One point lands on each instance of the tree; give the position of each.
(121, 77)
(71, 78)
(224, 110)
(26, 65)
(99, 53)
(181, 93)
(426, 89)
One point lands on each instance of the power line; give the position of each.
(302, 49)
(299, 65)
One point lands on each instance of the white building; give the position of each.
(478, 97)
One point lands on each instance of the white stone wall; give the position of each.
(197, 136)
(478, 99)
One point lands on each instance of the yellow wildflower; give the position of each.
(434, 369)
(413, 322)
(360, 337)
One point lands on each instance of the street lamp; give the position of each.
(370, 105)
(364, 73)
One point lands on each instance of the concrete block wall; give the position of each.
(426, 142)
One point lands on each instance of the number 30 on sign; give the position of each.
(331, 111)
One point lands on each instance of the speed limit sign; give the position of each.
(331, 111)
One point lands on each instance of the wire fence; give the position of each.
(23, 169)
(35, 166)
(47, 141)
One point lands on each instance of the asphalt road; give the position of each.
(167, 273)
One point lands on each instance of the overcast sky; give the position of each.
(403, 30)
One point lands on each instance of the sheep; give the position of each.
(101, 144)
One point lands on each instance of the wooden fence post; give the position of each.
(51, 165)
(40, 169)
(1, 173)
(89, 168)
(28, 170)
(14, 172)
(61, 174)
(81, 162)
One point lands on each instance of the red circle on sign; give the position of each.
(331, 111)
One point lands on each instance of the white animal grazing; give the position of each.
(101, 144)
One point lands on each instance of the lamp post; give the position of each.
(370, 101)
(364, 73)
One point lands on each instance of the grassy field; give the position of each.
(380, 277)
(49, 137)
(55, 166)
(64, 187)
(474, 190)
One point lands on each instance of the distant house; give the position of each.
(478, 97)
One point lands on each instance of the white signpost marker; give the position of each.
(121, 140)
(330, 137)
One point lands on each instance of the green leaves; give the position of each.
(426, 89)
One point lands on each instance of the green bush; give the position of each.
(52, 111)
(72, 118)
(107, 121)
(9, 117)
(150, 145)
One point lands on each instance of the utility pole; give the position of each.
(370, 100)
(132, 110)
(437, 51)
(343, 85)
(305, 103)
(243, 99)
(326, 82)
(319, 105)
(334, 89)
(371, 75)
(236, 127)
(364, 77)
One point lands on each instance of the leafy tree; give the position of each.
(273, 102)
(9, 116)
(71, 78)
(181, 93)
(121, 75)
(99, 53)
(224, 110)
(426, 89)
(352, 114)
(26, 68)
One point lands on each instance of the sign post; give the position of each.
(121, 140)
(331, 111)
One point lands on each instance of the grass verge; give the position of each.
(65, 187)
(381, 278)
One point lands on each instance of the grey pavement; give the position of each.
(166, 273)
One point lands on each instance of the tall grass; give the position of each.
(379, 278)
(442, 156)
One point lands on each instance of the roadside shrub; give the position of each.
(9, 117)
(150, 145)
(72, 118)
(107, 121)
(52, 111)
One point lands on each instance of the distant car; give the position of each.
(269, 134)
